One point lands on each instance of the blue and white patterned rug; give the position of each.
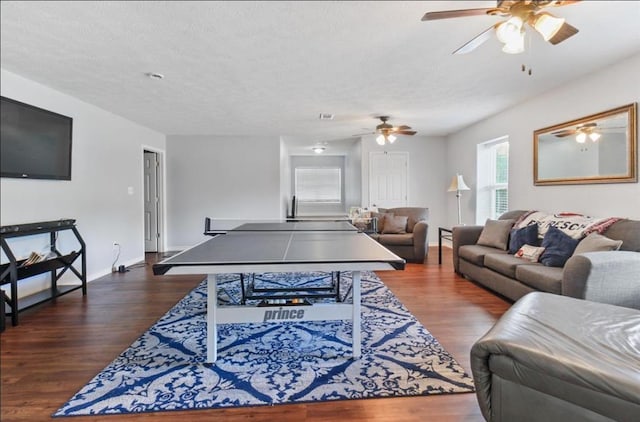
(266, 363)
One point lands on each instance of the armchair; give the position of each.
(410, 243)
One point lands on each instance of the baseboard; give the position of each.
(98, 274)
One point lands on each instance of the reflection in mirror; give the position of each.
(595, 149)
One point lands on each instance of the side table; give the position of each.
(443, 233)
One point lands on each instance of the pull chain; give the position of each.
(524, 67)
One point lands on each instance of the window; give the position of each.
(493, 179)
(318, 185)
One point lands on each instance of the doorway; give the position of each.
(152, 177)
(388, 179)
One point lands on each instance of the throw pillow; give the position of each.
(496, 234)
(531, 253)
(596, 242)
(525, 236)
(381, 217)
(396, 224)
(558, 247)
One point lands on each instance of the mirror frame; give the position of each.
(632, 160)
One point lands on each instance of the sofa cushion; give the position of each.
(525, 236)
(539, 277)
(395, 225)
(596, 243)
(505, 264)
(495, 233)
(476, 253)
(558, 247)
(405, 239)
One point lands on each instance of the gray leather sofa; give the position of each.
(587, 276)
(554, 358)
(412, 245)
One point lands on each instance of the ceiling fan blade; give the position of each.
(562, 3)
(405, 132)
(475, 42)
(402, 127)
(565, 32)
(446, 14)
(563, 133)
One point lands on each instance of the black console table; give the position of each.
(56, 264)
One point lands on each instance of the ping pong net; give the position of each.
(214, 227)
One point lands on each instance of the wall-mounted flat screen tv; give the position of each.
(34, 143)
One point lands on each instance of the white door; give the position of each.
(388, 179)
(151, 202)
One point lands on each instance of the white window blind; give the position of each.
(493, 180)
(500, 192)
(318, 185)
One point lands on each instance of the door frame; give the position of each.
(162, 194)
(371, 154)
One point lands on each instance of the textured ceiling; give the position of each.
(270, 68)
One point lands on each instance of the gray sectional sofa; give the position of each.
(555, 358)
(609, 277)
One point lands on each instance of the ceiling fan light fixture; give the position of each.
(391, 139)
(516, 46)
(581, 137)
(318, 149)
(510, 31)
(594, 136)
(547, 25)
(380, 139)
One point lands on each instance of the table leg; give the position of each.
(357, 340)
(439, 247)
(212, 309)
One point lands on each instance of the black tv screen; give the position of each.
(34, 143)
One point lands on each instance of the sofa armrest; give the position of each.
(460, 236)
(420, 240)
(609, 277)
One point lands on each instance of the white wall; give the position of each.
(106, 161)
(353, 176)
(285, 177)
(604, 90)
(428, 178)
(222, 177)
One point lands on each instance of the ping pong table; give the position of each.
(283, 247)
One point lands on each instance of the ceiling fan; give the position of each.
(591, 130)
(511, 31)
(386, 132)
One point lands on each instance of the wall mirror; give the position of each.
(600, 148)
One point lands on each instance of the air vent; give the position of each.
(326, 116)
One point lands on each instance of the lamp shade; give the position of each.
(547, 25)
(457, 184)
(510, 30)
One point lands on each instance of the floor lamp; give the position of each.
(457, 185)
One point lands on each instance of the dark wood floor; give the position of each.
(60, 346)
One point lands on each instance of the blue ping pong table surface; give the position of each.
(281, 243)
